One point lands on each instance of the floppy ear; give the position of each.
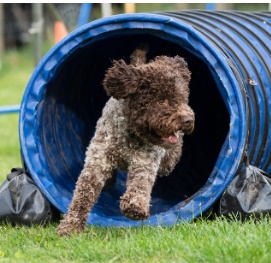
(121, 80)
(186, 74)
(176, 63)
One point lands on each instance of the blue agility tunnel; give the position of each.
(229, 55)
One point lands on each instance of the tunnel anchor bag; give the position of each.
(21, 201)
(249, 193)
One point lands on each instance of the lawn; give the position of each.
(16, 70)
(200, 241)
(203, 240)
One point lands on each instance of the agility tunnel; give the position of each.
(229, 55)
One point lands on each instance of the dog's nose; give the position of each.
(187, 120)
(187, 124)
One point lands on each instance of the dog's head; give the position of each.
(157, 95)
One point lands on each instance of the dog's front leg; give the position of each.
(92, 179)
(135, 203)
(87, 191)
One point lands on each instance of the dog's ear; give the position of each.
(176, 63)
(121, 80)
(186, 74)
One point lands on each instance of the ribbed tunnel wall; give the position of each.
(228, 54)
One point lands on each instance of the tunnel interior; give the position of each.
(73, 101)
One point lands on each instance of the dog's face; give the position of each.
(157, 94)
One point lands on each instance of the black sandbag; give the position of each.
(21, 201)
(249, 193)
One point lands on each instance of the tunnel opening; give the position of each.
(73, 102)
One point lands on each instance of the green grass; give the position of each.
(14, 75)
(202, 240)
(15, 72)
(199, 241)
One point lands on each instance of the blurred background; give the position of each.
(20, 21)
(28, 31)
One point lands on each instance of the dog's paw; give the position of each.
(68, 227)
(134, 206)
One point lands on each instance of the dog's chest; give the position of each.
(124, 146)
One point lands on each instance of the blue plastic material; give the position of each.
(9, 109)
(84, 14)
(64, 99)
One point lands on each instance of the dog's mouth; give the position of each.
(172, 139)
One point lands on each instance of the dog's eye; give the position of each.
(163, 102)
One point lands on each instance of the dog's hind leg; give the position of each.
(110, 182)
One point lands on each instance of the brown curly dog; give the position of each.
(141, 131)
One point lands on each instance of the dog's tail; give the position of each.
(138, 57)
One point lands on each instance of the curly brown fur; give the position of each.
(141, 130)
(138, 57)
